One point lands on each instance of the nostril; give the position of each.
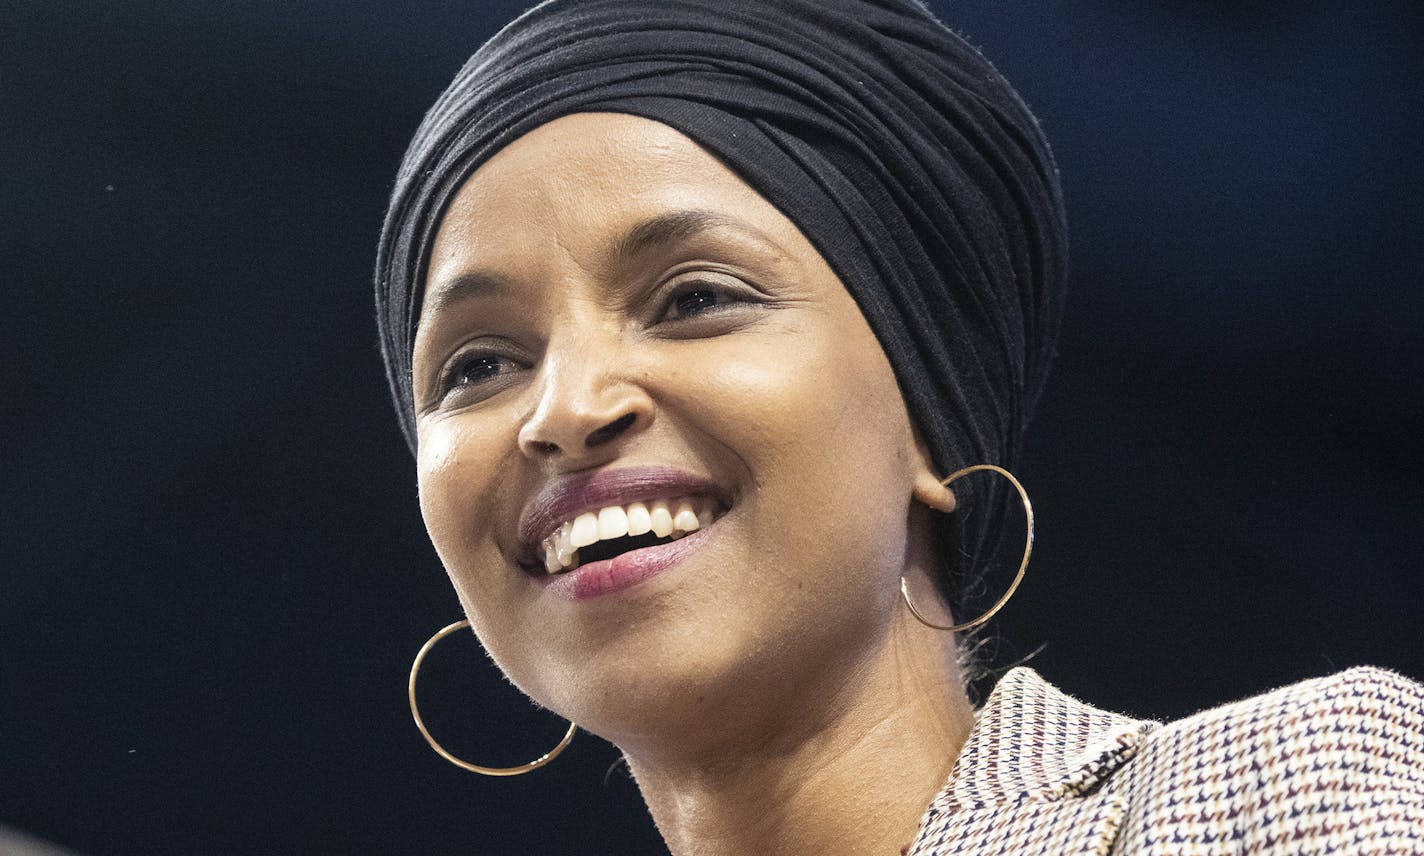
(610, 431)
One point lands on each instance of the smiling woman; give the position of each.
(699, 370)
(685, 311)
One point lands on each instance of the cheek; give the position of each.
(818, 422)
(456, 478)
(463, 483)
(825, 399)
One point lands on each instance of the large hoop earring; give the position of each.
(473, 768)
(1023, 565)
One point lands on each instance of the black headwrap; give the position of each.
(898, 150)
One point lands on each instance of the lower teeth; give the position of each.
(576, 559)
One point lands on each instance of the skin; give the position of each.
(771, 693)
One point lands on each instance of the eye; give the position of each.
(701, 297)
(478, 367)
(696, 300)
(476, 372)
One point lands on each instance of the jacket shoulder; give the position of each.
(1330, 764)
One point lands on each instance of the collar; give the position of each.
(1028, 776)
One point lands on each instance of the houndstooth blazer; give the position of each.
(1332, 765)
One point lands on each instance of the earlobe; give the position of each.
(929, 491)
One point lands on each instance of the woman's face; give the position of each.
(611, 317)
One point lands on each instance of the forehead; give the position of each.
(581, 180)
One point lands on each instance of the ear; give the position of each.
(927, 488)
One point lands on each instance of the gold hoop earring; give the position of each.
(1023, 565)
(473, 768)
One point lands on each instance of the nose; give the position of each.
(585, 408)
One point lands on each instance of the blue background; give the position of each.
(213, 574)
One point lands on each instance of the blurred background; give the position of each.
(213, 574)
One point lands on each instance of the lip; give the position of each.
(566, 497)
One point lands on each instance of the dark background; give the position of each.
(214, 573)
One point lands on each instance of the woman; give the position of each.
(687, 310)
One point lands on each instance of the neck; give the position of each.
(849, 768)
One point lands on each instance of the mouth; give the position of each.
(610, 531)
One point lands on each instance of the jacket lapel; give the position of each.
(1027, 779)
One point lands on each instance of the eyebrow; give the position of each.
(656, 231)
(463, 287)
(677, 226)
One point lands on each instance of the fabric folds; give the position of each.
(902, 155)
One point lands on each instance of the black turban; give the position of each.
(895, 147)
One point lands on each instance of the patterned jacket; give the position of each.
(1332, 765)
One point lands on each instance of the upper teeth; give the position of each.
(662, 517)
